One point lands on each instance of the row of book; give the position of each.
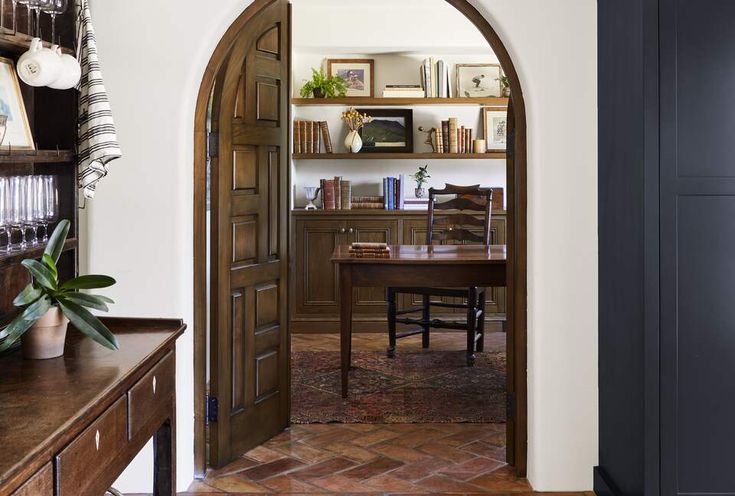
(309, 136)
(336, 194)
(369, 250)
(394, 190)
(435, 78)
(452, 138)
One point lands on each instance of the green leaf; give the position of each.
(89, 282)
(57, 239)
(85, 300)
(88, 324)
(49, 262)
(24, 321)
(41, 274)
(27, 296)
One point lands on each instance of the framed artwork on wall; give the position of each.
(358, 74)
(18, 130)
(391, 130)
(479, 80)
(495, 126)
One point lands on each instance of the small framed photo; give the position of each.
(495, 126)
(359, 75)
(391, 130)
(479, 80)
(18, 131)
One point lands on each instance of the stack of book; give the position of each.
(336, 194)
(403, 91)
(452, 138)
(368, 202)
(435, 78)
(416, 204)
(394, 192)
(308, 137)
(369, 250)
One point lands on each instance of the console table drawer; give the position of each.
(82, 465)
(146, 400)
(41, 484)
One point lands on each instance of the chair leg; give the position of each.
(426, 317)
(471, 327)
(391, 296)
(481, 323)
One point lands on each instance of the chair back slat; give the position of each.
(451, 226)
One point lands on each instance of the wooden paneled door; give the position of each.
(249, 145)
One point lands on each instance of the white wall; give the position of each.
(140, 226)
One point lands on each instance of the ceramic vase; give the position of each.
(353, 142)
(45, 339)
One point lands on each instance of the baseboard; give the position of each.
(603, 484)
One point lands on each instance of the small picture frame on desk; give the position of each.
(358, 74)
(390, 131)
(495, 126)
(18, 134)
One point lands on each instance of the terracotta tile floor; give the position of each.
(374, 458)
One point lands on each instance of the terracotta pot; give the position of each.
(46, 338)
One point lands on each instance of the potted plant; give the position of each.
(421, 176)
(354, 121)
(322, 86)
(49, 305)
(505, 84)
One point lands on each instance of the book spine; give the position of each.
(469, 141)
(385, 193)
(461, 139)
(323, 190)
(337, 192)
(296, 137)
(439, 141)
(445, 136)
(453, 143)
(390, 193)
(315, 136)
(309, 148)
(346, 195)
(329, 203)
(326, 138)
(401, 191)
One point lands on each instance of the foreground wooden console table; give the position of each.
(70, 425)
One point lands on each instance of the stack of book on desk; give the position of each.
(369, 250)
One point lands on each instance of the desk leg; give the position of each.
(164, 450)
(345, 321)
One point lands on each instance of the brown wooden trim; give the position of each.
(517, 232)
(387, 102)
(399, 156)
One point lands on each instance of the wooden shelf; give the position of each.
(370, 212)
(385, 102)
(36, 157)
(16, 257)
(399, 156)
(20, 42)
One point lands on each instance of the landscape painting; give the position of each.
(391, 130)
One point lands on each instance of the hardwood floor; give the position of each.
(374, 458)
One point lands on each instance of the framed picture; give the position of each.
(359, 75)
(479, 80)
(495, 125)
(390, 131)
(18, 131)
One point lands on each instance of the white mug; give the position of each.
(70, 71)
(39, 66)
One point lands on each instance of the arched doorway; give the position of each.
(516, 235)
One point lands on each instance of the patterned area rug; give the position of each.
(427, 387)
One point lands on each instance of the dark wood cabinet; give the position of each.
(666, 208)
(315, 234)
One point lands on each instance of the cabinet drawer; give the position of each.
(83, 466)
(41, 484)
(147, 398)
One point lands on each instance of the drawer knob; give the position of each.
(154, 384)
(97, 440)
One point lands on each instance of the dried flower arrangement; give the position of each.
(354, 119)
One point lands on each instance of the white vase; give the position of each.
(353, 142)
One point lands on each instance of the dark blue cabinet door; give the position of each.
(697, 243)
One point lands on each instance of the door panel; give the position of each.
(697, 208)
(249, 254)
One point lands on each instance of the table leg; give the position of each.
(345, 321)
(164, 464)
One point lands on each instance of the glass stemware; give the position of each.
(15, 16)
(17, 215)
(37, 6)
(50, 195)
(30, 224)
(55, 8)
(4, 214)
(27, 3)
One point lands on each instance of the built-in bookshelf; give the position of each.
(386, 102)
(399, 156)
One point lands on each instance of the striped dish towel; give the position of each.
(97, 140)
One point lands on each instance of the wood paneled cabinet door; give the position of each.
(371, 300)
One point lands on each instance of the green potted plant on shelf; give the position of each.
(322, 86)
(421, 177)
(49, 305)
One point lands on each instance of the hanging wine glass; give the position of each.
(50, 202)
(17, 214)
(55, 8)
(37, 5)
(4, 214)
(15, 16)
(28, 3)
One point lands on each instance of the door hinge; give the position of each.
(510, 405)
(213, 144)
(212, 409)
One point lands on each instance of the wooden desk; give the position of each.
(410, 266)
(70, 425)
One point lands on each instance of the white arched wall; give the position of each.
(139, 228)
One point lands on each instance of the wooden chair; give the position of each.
(448, 222)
